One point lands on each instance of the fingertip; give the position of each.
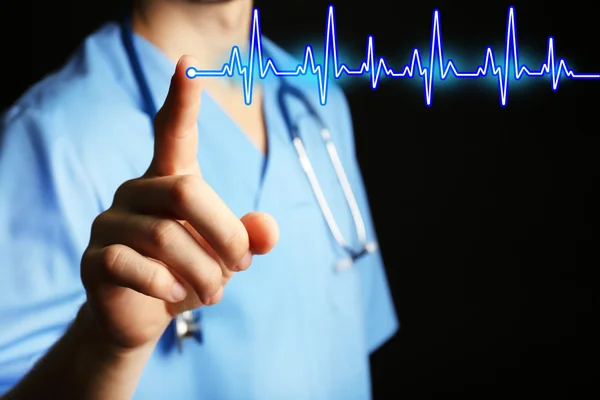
(215, 298)
(263, 231)
(186, 76)
(190, 72)
(244, 263)
(273, 227)
(178, 292)
(186, 60)
(186, 68)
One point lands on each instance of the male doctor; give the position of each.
(114, 221)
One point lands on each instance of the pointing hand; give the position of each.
(168, 243)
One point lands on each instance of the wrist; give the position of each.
(84, 364)
(97, 341)
(113, 371)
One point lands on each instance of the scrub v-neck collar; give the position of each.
(156, 63)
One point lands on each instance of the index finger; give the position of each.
(175, 125)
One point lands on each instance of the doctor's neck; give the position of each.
(205, 29)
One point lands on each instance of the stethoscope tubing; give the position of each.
(187, 324)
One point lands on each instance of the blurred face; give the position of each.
(191, 1)
(210, 1)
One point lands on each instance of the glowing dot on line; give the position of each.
(376, 67)
(192, 72)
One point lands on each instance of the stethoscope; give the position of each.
(187, 324)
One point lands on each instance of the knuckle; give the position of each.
(100, 220)
(86, 260)
(101, 224)
(163, 233)
(97, 225)
(122, 192)
(113, 260)
(184, 190)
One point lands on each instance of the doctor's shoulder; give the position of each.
(84, 111)
(82, 95)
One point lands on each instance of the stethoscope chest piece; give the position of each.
(345, 263)
(187, 325)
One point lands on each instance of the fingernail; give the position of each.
(178, 292)
(245, 262)
(215, 298)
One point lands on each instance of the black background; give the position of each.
(485, 214)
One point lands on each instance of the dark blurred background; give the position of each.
(486, 215)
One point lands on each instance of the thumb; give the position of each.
(263, 232)
(175, 125)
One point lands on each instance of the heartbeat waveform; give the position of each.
(378, 67)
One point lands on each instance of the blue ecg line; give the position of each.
(376, 67)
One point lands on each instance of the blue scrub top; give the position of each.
(289, 328)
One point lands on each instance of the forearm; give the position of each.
(80, 366)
